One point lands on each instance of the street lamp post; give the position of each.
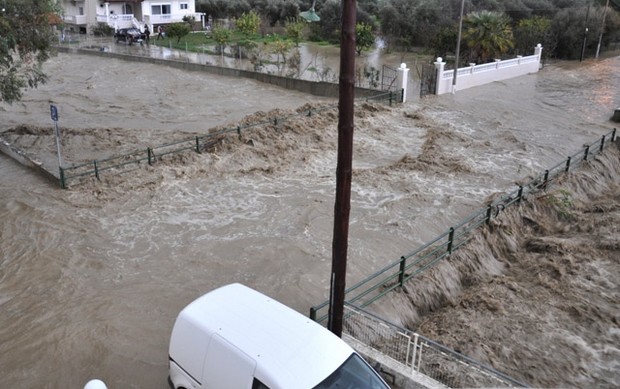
(458, 48)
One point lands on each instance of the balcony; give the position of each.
(75, 19)
(117, 20)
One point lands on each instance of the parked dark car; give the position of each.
(129, 35)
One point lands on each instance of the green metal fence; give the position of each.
(73, 174)
(408, 266)
(390, 96)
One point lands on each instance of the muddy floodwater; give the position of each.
(92, 278)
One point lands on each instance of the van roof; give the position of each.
(291, 350)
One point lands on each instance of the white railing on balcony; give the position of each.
(75, 19)
(117, 20)
(128, 20)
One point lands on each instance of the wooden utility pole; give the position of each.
(344, 169)
(600, 37)
(585, 34)
(458, 48)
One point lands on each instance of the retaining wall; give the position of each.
(26, 160)
(322, 89)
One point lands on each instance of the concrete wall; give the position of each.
(323, 89)
(26, 160)
(475, 75)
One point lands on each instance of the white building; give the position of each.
(82, 15)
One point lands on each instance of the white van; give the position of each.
(235, 337)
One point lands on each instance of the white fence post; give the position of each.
(439, 66)
(415, 350)
(403, 77)
(538, 52)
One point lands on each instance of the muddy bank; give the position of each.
(536, 294)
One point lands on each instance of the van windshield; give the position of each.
(353, 373)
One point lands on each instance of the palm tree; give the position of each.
(488, 35)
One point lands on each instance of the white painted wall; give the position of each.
(475, 75)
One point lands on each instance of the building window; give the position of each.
(80, 10)
(184, 6)
(160, 9)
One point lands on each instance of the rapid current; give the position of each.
(92, 278)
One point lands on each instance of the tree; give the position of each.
(221, 36)
(295, 29)
(398, 21)
(364, 37)
(280, 48)
(25, 36)
(248, 24)
(568, 30)
(532, 31)
(488, 35)
(178, 30)
(331, 21)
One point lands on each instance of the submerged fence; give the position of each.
(151, 154)
(419, 354)
(414, 263)
(198, 144)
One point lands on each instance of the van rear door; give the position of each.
(226, 366)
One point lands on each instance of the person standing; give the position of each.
(147, 34)
(160, 32)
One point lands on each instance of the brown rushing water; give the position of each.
(91, 279)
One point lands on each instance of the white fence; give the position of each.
(475, 75)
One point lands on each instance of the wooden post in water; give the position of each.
(344, 169)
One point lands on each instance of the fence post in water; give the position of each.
(450, 239)
(546, 179)
(489, 211)
(520, 195)
(309, 112)
(62, 178)
(602, 143)
(198, 145)
(585, 153)
(150, 155)
(275, 121)
(613, 135)
(239, 132)
(568, 164)
(313, 313)
(391, 98)
(96, 170)
(401, 272)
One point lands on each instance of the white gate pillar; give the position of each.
(538, 52)
(403, 79)
(439, 66)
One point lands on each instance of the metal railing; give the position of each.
(151, 155)
(420, 354)
(390, 96)
(410, 265)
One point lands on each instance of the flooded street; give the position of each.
(92, 278)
